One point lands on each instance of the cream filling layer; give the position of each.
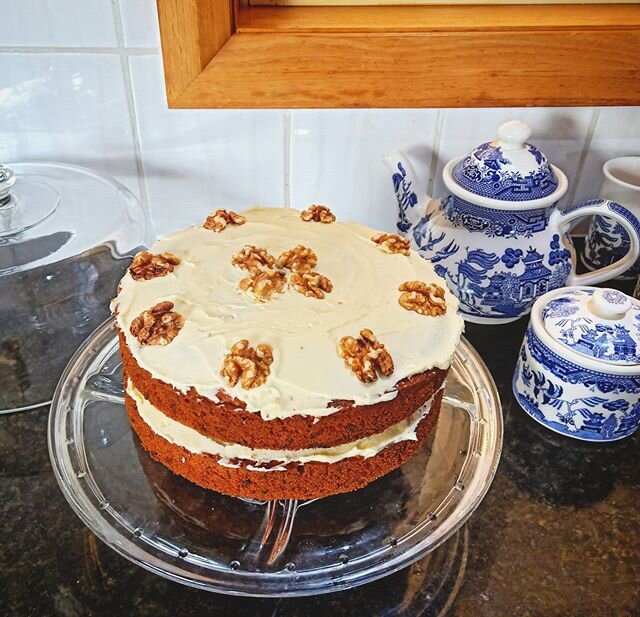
(307, 372)
(190, 439)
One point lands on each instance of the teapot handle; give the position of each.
(567, 219)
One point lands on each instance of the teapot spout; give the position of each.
(412, 201)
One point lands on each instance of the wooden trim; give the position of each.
(413, 3)
(425, 19)
(429, 56)
(191, 32)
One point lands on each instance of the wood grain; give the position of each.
(191, 32)
(457, 57)
(435, 18)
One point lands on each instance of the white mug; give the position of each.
(607, 241)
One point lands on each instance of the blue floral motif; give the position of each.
(428, 243)
(511, 257)
(560, 307)
(612, 342)
(407, 197)
(617, 405)
(602, 341)
(487, 172)
(626, 214)
(537, 155)
(557, 254)
(485, 288)
(614, 297)
(592, 417)
(571, 373)
(495, 223)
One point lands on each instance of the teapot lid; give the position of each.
(602, 324)
(508, 168)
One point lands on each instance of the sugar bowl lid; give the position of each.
(507, 168)
(601, 324)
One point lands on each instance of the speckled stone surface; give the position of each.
(558, 534)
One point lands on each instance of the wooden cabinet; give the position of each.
(218, 54)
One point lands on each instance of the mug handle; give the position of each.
(566, 220)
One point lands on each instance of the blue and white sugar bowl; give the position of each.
(497, 236)
(578, 372)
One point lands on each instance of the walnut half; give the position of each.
(157, 326)
(392, 243)
(366, 356)
(219, 220)
(147, 266)
(298, 259)
(264, 283)
(311, 284)
(248, 365)
(252, 258)
(318, 214)
(423, 298)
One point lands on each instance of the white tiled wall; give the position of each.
(82, 82)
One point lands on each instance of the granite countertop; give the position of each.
(557, 535)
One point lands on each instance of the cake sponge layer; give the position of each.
(230, 422)
(297, 481)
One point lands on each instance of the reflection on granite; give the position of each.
(557, 535)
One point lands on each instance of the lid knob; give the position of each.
(609, 304)
(512, 135)
(7, 180)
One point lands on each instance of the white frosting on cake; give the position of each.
(190, 439)
(307, 373)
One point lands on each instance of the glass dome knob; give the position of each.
(513, 135)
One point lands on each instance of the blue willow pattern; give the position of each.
(589, 417)
(487, 172)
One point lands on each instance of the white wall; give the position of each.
(81, 81)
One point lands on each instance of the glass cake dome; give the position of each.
(66, 236)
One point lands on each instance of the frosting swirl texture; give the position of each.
(307, 373)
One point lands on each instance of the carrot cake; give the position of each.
(278, 354)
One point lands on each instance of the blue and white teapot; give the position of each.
(498, 239)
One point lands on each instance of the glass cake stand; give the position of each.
(283, 548)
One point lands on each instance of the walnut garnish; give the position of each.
(319, 214)
(248, 365)
(147, 266)
(264, 283)
(392, 243)
(299, 259)
(423, 298)
(252, 258)
(311, 284)
(157, 326)
(221, 218)
(366, 356)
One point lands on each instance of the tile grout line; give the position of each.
(286, 127)
(593, 123)
(435, 152)
(130, 51)
(131, 107)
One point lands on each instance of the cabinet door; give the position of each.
(229, 54)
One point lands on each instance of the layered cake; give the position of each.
(276, 354)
